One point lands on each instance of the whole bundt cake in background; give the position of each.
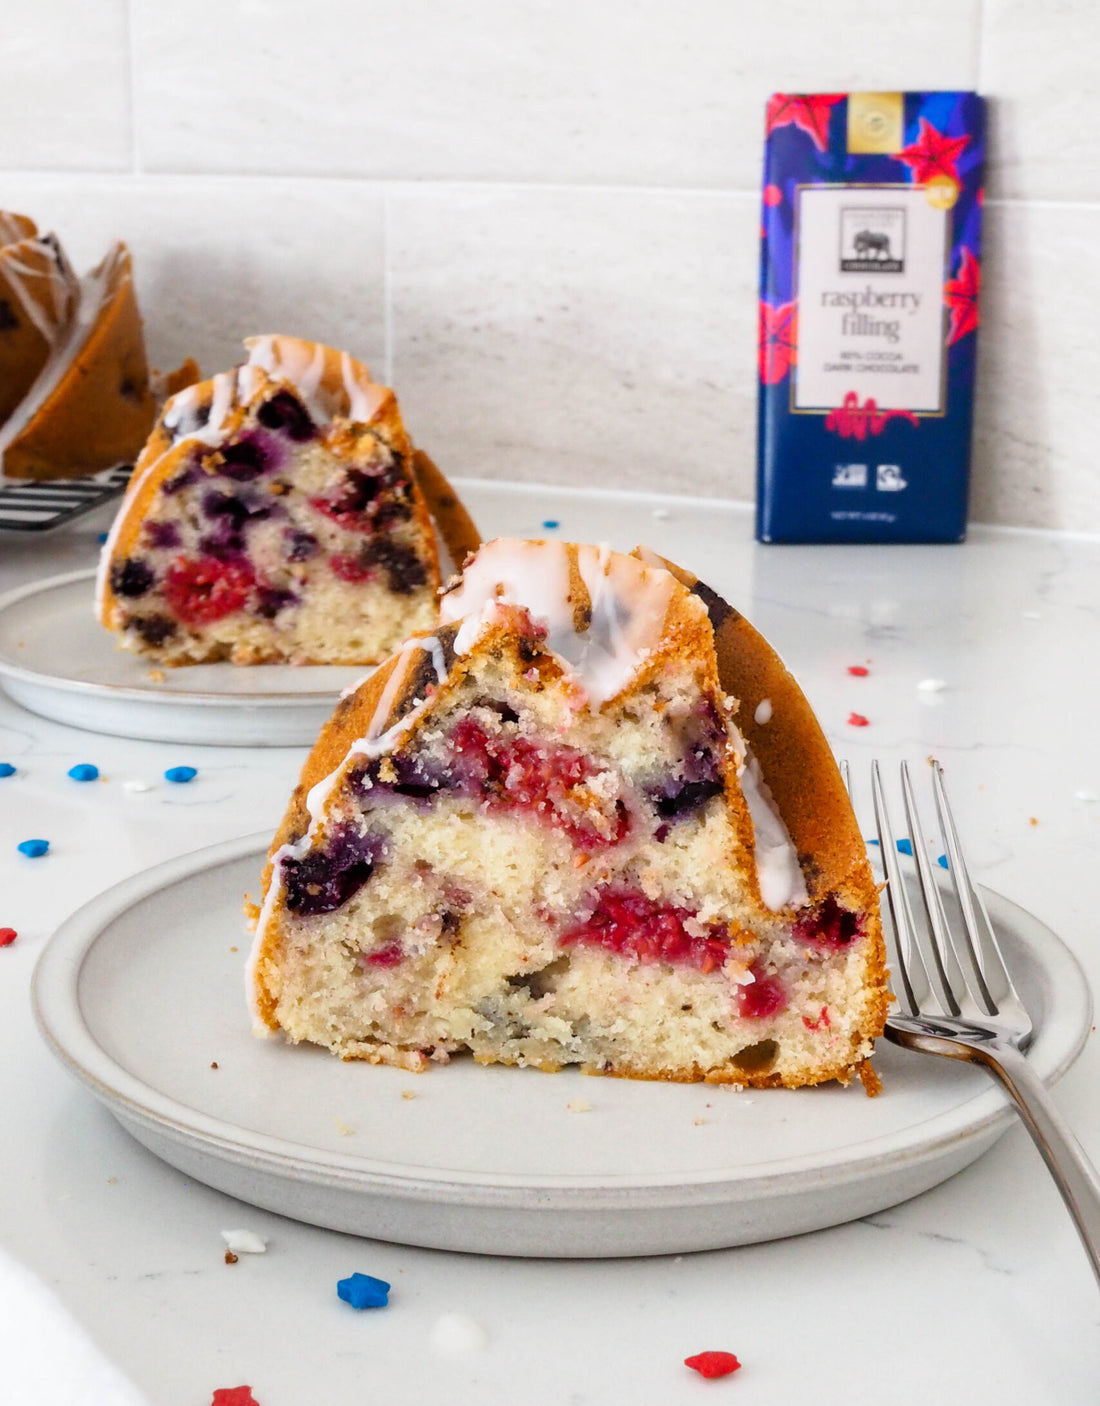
(536, 834)
(278, 512)
(74, 380)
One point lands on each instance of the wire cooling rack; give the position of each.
(38, 506)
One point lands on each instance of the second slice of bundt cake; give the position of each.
(536, 834)
(275, 514)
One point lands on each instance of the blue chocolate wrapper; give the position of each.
(871, 253)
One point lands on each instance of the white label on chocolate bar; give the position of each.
(871, 265)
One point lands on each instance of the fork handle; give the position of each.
(1070, 1167)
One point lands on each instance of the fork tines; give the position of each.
(955, 961)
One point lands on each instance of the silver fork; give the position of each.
(955, 996)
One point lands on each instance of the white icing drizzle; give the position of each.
(778, 872)
(12, 230)
(302, 365)
(44, 287)
(376, 743)
(763, 712)
(629, 602)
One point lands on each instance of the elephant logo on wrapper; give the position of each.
(872, 240)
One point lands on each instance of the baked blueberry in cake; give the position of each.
(276, 514)
(537, 834)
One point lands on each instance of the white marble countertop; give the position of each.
(978, 1288)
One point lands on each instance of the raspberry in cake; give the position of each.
(538, 835)
(275, 514)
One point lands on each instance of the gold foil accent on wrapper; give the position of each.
(876, 123)
(941, 192)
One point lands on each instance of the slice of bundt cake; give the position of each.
(536, 834)
(89, 405)
(276, 514)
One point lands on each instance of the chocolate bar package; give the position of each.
(871, 250)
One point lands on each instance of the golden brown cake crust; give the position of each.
(456, 526)
(797, 763)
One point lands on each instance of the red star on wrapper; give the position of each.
(961, 296)
(777, 341)
(932, 154)
(809, 114)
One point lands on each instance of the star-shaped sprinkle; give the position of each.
(363, 1291)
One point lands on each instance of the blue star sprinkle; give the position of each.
(361, 1291)
(34, 849)
(84, 771)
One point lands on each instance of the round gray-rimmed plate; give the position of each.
(56, 660)
(141, 995)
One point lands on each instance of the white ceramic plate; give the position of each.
(58, 662)
(141, 994)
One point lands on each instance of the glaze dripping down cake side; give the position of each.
(537, 835)
(274, 515)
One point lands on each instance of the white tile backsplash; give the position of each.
(65, 93)
(543, 216)
(1040, 64)
(586, 337)
(1039, 367)
(623, 92)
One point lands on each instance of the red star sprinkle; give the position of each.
(778, 330)
(234, 1396)
(7, 936)
(932, 154)
(810, 114)
(859, 671)
(858, 720)
(961, 296)
(713, 1364)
